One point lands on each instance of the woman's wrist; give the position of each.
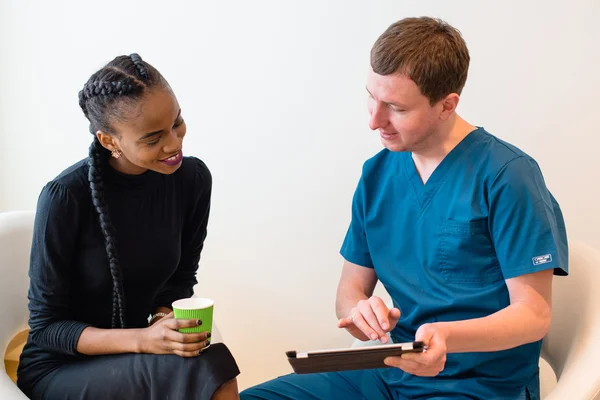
(139, 341)
(156, 316)
(159, 312)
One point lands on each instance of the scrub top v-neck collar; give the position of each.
(425, 192)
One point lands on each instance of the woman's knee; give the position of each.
(227, 391)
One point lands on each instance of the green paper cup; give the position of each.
(195, 308)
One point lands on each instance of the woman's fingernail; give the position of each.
(208, 343)
(373, 336)
(199, 322)
(384, 325)
(208, 335)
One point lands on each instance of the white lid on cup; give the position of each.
(193, 303)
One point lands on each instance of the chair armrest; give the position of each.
(8, 390)
(579, 379)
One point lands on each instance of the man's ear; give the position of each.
(449, 104)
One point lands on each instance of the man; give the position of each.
(460, 229)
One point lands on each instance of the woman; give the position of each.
(117, 238)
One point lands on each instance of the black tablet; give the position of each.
(349, 358)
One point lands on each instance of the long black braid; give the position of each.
(104, 98)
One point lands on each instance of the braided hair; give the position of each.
(104, 97)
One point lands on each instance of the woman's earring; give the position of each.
(116, 153)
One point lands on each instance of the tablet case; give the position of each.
(348, 359)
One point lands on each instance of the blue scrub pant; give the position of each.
(348, 385)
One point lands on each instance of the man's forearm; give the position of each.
(356, 283)
(347, 299)
(510, 327)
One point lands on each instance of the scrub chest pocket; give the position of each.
(466, 253)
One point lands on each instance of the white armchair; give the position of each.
(571, 349)
(16, 230)
(15, 243)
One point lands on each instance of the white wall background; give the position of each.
(273, 95)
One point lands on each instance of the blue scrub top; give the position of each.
(444, 249)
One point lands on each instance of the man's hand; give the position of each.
(432, 361)
(370, 320)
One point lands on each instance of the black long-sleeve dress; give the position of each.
(160, 223)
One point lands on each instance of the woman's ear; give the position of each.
(107, 141)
